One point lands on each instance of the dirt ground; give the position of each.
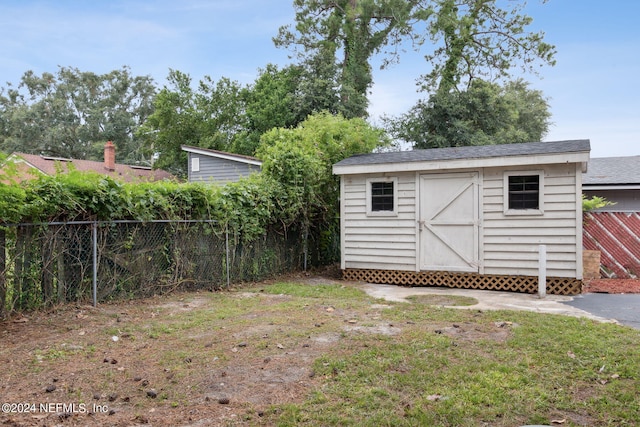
(613, 286)
(79, 365)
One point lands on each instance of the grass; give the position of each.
(382, 364)
(546, 368)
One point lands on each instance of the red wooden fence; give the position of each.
(617, 236)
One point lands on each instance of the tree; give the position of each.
(476, 39)
(301, 160)
(486, 113)
(72, 114)
(353, 29)
(283, 98)
(271, 102)
(469, 39)
(211, 116)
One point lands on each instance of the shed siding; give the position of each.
(213, 169)
(510, 243)
(387, 243)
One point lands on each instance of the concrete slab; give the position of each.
(487, 300)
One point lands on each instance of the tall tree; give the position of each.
(283, 98)
(478, 39)
(468, 39)
(355, 30)
(72, 113)
(486, 113)
(210, 116)
(271, 101)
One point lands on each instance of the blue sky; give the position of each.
(593, 90)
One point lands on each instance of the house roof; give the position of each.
(465, 156)
(51, 165)
(613, 171)
(222, 155)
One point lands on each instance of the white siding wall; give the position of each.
(387, 243)
(510, 243)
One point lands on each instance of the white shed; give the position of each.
(465, 216)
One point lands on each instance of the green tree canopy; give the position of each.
(337, 39)
(270, 102)
(209, 116)
(73, 113)
(462, 40)
(486, 113)
(301, 160)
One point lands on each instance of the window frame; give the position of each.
(507, 210)
(195, 164)
(369, 185)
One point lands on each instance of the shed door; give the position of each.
(449, 222)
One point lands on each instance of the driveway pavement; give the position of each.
(625, 308)
(495, 300)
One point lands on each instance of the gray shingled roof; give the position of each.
(472, 152)
(613, 170)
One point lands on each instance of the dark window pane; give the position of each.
(382, 196)
(524, 192)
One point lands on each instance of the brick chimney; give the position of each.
(110, 156)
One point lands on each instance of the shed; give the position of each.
(205, 165)
(470, 217)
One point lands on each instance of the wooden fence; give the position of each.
(617, 236)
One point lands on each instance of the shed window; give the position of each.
(382, 196)
(195, 164)
(523, 192)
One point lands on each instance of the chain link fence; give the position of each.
(45, 264)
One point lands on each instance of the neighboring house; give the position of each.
(617, 179)
(470, 217)
(614, 231)
(214, 166)
(30, 166)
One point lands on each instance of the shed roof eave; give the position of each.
(441, 165)
(593, 187)
(221, 155)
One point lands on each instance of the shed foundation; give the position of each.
(523, 284)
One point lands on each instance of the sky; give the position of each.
(593, 90)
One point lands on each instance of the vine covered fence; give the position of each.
(96, 261)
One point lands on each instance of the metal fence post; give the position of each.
(542, 271)
(306, 246)
(94, 235)
(226, 242)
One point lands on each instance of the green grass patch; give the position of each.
(443, 300)
(314, 291)
(463, 368)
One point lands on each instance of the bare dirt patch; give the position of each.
(129, 363)
(181, 359)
